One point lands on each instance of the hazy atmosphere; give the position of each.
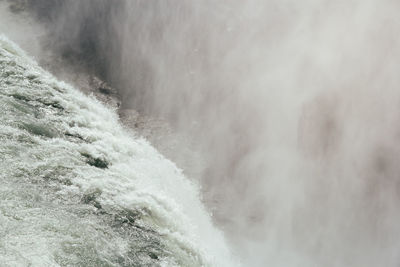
(275, 123)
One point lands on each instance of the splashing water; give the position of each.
(78, 189)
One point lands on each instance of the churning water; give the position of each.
(79, 190)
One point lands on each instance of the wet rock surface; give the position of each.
(104, 92)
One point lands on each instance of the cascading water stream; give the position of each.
(78, 190)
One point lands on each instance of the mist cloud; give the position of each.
(294, 106)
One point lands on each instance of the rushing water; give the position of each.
(79, 190)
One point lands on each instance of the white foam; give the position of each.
(138, 176)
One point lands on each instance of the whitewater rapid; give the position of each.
(77, 189)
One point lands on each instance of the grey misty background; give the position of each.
(293, 106)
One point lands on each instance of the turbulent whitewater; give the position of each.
(77, 189)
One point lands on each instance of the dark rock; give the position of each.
(91, 198)
(96, 162)
(17, 6)
(104, 92)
